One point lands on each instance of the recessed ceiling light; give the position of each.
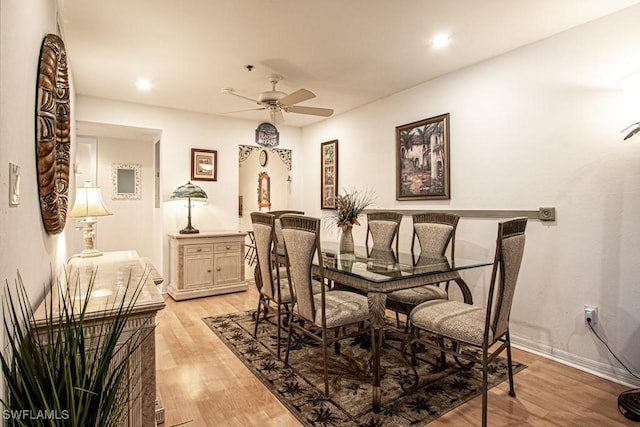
(144, 85)
(440, 40)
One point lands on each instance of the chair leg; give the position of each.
(286, 356)
(441, 362)
(278, 315)
(287, 313)
(512, 391)
(398, 321)
(485, 375)
(324, 359)
(411, 343)
(255, 331)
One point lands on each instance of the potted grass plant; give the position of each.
(70, 366)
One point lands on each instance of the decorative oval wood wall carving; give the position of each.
(53, 133)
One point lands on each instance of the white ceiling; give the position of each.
(348, 52)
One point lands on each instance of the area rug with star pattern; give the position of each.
(300, 386)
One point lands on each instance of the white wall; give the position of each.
(182, 131)
(539, 126)
(129, 226)
(280, 187)
(25, 246)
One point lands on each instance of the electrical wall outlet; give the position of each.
(590, 315)
(547, 214)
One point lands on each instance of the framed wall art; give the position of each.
(125, 181)
(422, 160)
(328, 174)
(264, 191)
(204, 165)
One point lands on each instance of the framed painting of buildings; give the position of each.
(422, 160)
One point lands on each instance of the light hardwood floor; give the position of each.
(203, 384)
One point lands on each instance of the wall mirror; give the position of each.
(125, 180)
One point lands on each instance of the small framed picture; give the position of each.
(204, 165)
(329, 174)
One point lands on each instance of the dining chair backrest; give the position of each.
(278, 214)
(265, 241)
(383, 227)
(434, 231)
(302, 241)
(506, 267)
(276, 224)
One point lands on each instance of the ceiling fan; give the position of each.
(275, 101)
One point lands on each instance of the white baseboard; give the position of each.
(616, 374)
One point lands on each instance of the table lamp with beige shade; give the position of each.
(88, 205)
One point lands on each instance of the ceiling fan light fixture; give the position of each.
(271, 96)
(275, 101)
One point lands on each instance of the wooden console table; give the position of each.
(207, 263)
(112, 271)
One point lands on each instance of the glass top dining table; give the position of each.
(378, 272)
(384, 270)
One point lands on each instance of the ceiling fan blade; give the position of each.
(276, 116)
(295, 97)
(229, 91)
(243, 111)
(633, 132)
(314, 111)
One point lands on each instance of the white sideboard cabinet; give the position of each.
(115, 275)
(207, 263)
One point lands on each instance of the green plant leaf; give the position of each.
(74, 363)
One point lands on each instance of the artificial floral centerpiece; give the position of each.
(348, 207)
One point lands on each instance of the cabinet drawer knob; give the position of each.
(218, 269)
(228, 247)
(199, 249)
(208, 271)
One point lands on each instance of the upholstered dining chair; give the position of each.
(271, 280)
(433, 231)
(278, 228)
(468, 325)
(383, 228)
(326, 311)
